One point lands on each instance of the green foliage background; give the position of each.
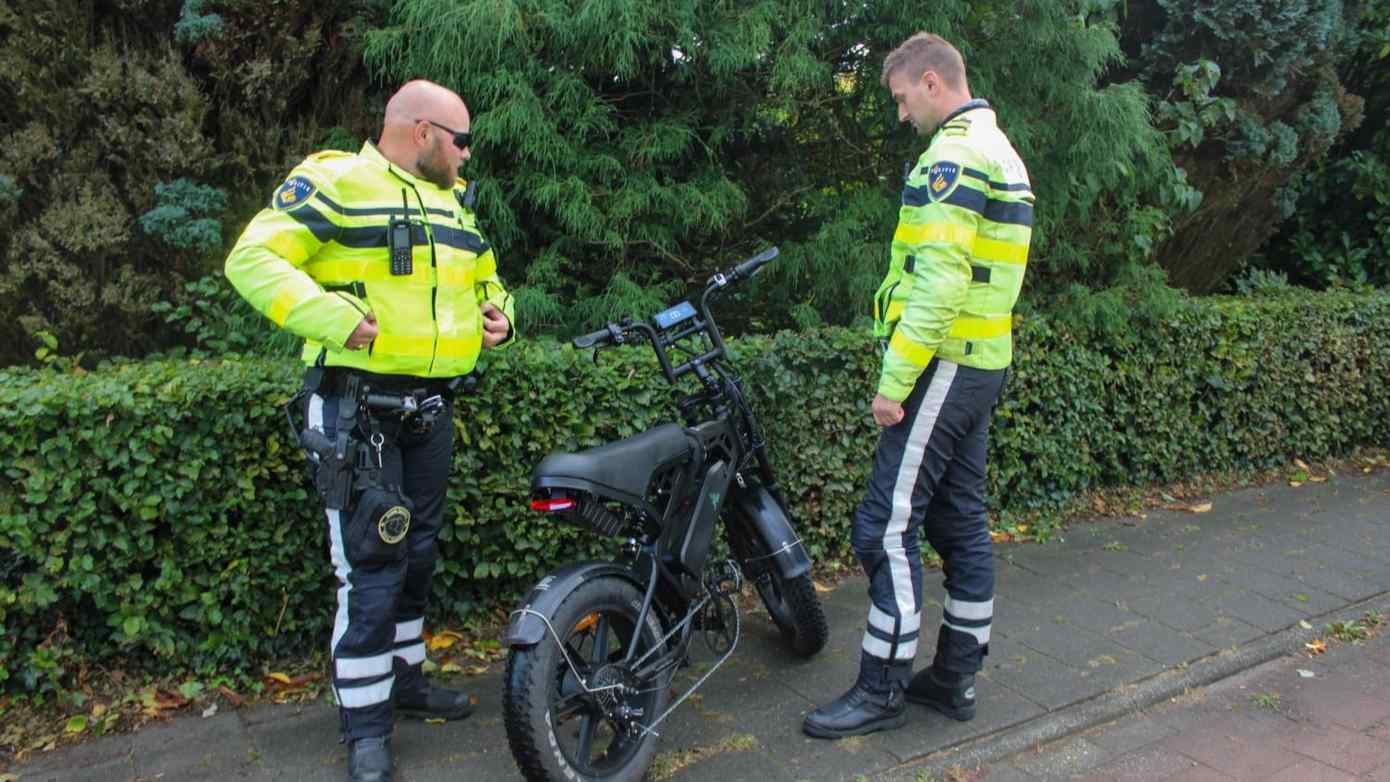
(157, 511)
(628, 147)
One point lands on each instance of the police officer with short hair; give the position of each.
(376, 260)
(955, 271)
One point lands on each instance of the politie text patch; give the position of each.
(294, 192)
(941, 179)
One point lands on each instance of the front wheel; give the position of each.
(795, 609)
(791, 602)
(557, 730)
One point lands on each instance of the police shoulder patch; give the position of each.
(295, 191)
(942, 177)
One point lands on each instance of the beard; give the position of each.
(436, 169)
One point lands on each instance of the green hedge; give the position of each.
(157, 511)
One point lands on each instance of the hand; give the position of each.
(363, 335)
(495, 325)
(886, 411)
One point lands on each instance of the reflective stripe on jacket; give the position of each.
(958, 255)
(315, 261)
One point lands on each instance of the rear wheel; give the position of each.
(556, 730)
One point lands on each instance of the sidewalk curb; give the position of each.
(1120, 702)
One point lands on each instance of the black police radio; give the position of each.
(400, 240)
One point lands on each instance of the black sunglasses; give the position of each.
(462, 138)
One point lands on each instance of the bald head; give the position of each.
(414, 135)
(422, 99)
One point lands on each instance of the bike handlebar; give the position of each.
(751, 266)
(661, 338)
(602, 336)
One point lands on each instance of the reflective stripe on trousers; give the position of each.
(380, 617)
(929, 476)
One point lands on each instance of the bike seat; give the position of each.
(625, 466)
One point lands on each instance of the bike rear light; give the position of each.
(552, 505)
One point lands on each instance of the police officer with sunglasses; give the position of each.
(376, 260)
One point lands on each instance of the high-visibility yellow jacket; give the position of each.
(958, 255)
(316, 261)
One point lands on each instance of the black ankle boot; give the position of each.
(952, 694)
(369, 759)
(433, 703)
(857, 712)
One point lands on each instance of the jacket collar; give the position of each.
(970, 105)
(371, 153)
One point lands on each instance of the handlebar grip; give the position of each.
(751, 266)
(592, 338)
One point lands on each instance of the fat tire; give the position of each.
(800, 617)
(530, 671)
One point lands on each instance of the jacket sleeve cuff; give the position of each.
(888, 388)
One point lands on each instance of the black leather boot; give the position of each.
(369, 759)
(875, 702)
(857, 712)
(414, 696)
(952, 694)
(433, 703)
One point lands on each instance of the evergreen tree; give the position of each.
(626, 148)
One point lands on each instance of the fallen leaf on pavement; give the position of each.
(283, 678)
(444, 640)
(1304, 624)
(1316, 647)
(210, 711)
(1200, 508)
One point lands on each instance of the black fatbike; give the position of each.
(594, 647)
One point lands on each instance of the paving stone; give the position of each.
(997, 707)
(1064, 758)
(1237, 756)
(214, 748)
(1381, 774)
(1257, 610)
(1005, 774)
(107, 771)
(1037, 677)
(804, 757)
(1342, 706)
(1160, 643)
(102, 752)
(1311, 772)
(1131, 733)
(1226, 632)
(1146, 765)
(1175, 612)
(1339, 747)
(1199, 773)
(1101, 660)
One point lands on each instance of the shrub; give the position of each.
(158, 510)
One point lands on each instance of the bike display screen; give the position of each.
(674, 315)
